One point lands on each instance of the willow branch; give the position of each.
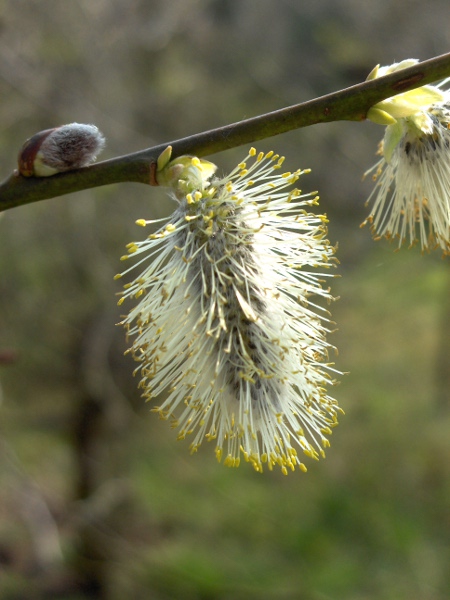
(350, 104)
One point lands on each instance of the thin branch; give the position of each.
(350, 104)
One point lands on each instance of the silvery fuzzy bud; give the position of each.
(60, 149)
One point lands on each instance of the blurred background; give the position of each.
(97, 499)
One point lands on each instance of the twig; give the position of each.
(350, 104)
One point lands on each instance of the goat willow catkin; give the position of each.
(411, 197)
(225, 329)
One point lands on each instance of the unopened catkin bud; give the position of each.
(60, 149)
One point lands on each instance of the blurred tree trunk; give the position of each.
(89, 561)
(99, 420)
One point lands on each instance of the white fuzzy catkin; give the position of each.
(411, 199)
(225, 329)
